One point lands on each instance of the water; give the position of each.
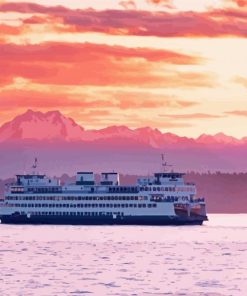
(125, 260)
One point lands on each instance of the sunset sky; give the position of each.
(179, 66)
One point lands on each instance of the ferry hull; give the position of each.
(102, 220)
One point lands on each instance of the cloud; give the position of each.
(55, 99)
(241, 80)
(102, 65)
(128, 4)
(237, 113)
(5, 80)
(191, 116)
(240, 3)
(164, 3)
(213, 23)
(97, 108)
(6, 30)
(146, 100)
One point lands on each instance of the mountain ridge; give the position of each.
(53, 125)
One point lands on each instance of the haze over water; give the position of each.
(125, 260)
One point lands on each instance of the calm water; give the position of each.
(125, 260)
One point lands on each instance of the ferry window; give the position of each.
(139, 206)
(134, 205)
(154, 205)
(122, 205)
(144, 205)
(132, 197)
(115, 206)
(154, 188)
(130, 205)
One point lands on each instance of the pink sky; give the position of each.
(180, 68)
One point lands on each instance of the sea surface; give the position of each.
(125, 260)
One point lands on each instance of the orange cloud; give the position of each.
(121, 100)
(91, 64)
(100, 108)
(6, 30)
(240, 3)
(237, 113)
(128, 4)
(5, 80)
(191, 116)
(51, 100)
(241, 80)
(165, 2)
(213, 23)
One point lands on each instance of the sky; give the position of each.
(179, 66)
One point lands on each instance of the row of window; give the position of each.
(111, 189)
(171, 189)
(167, 198)
(76, 213)
(76, 198)
(83, 205)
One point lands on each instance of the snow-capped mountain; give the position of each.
(41, 126)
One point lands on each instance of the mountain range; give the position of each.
(62, 145)
(55, 126)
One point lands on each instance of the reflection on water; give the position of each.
(126, 260)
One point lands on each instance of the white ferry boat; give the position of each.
(164, 199)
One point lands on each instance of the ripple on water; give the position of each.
(48, 260)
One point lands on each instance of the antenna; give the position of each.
(164, 164)
(35, 164)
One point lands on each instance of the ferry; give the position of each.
(162, 199)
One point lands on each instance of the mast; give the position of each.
(164, 164)
(35, 165)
